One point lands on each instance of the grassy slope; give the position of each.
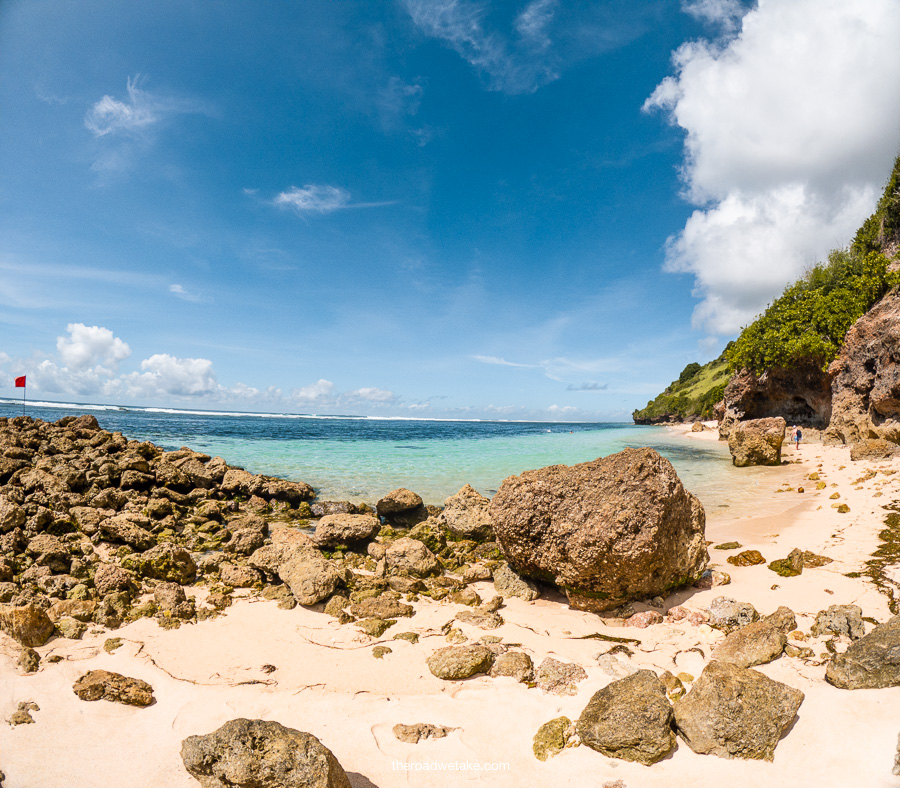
(690, 399)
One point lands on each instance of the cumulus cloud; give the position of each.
(319, 390)
(790, 132)
(372, 394)
(91, 347)
(508, 65)
(166, 374)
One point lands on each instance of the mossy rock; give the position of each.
(787, 567)
(375, 627)
(551, 738)
(728, 546)
(411, 637)
(747, 558)
(379, 652)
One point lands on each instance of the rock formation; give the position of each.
(756, 442)
(618, 528)
(871, 662)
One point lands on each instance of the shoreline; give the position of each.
(327, 682)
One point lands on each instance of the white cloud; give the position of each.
(110, 116)
(726, 13)
(791, 129)
(185, 295)
(502, 362)
(319, 390)
(89, 347)
(313, 198)
(560, 368)
(372, 394)
(396, 100)
(506, 67)
(165, 374)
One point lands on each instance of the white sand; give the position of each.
(327, 682)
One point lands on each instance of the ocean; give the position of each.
(361, 458)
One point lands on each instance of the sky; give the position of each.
(540, 209)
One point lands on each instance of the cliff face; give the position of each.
(800, 395)
(866, 377)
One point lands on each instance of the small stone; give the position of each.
(480, 618)
(508, 583)
(842, 508)
(455, 635)
(105, 685)
(675, 688)
(728, 614)
(460, 662)
(612, 666)
(22, 715)
(754, 644)
(467, 596)
(375, 627)
(746, 558)
(379, 652)
(411, 637)
(560, 678)
(552, 737)
(840, 620)
(728, 546)
(644, 620)
(413, 734)
(29, 659)
(514, 664)
(70, 628)
(790, 566)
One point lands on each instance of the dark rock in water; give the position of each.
(105, 685)
(324, 508)
(755, 644)
(508, 583)
(261, 754)
(402, 508)
(736, 712)
(467, 515)
(629, 719)
(840, 620)
(871, 662)
(608, 531)
(559, 678)
(346, 529)
(413, 734)
(515, 664)
(757, 442)
(28, 625)
(865, 375)
(460, 662)
(552, 737)
(800, 394)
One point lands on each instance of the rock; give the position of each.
(515, 664)
(466, 596)
(754, 644)
(129, 528)
(70, 628)
(380, 652)
(630, 719)
(375, 627)
(323, 508)
(346, 529)
(871, 662)
(873, 449)
(29, 660)
(164, 562)
(735, 712)
(481, 618)
(310, 577)
(11, 515)
(109, 577)
(467, 515)
(612, 666)
(244, 541)
(507, 583)
(783, 619)
(22, 715)
(28, 625)
(336, 606)
(840, 620)
(674, 686)
(552, 737)
(746, 558)
(381, 607)
(402, 508)
(697, 427)
(643, 620)
(105, 685)
(560, 678)
(618, 528)
(757, 442)
(460, 662)
(261, 754)
(409, 637)
(790, 566)
(412, 557)
(238, 576)
(800, 394)
(413, 734)
(896, 769)
(865, 375)
(728, 614)
(712, 578)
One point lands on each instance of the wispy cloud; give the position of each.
(502, 362)
(111, 116)
(319, 198)
(510, 66)
(561, 368)
(587, 387)
(186, 295)
(726, 13)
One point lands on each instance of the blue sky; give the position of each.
(538, 209)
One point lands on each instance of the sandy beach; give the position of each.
(304, 670)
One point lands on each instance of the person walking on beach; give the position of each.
(798, 433)
(793, 436)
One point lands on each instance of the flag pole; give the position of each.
(24, 389)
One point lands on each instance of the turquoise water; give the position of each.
(361, 459)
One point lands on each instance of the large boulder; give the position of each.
(346, 529)
(618, 528)
(871, 662)
(757, 442)
(865, 377)
(261, 754)
(467, 515)
(629, 719)
(309, 575)
(755, 644)
(735, 712)
(402, 508)
(410, 556)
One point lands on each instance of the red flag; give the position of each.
(20, 382)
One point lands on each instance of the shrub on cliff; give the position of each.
(693, 395)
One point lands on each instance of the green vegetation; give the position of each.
(693, 395)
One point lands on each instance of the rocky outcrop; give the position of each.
(263, 754)
(629, 719)
(467, 515)
(800, 395)
(866, 377)
(608, 531)
(757, 442)
(871, 662)
(839, 620)
(735, 712)
(105, 685)
(410, 556)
